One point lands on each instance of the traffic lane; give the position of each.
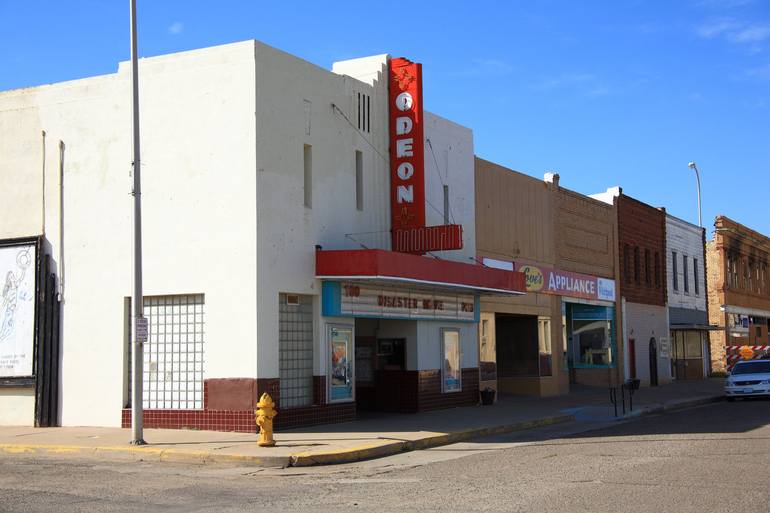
(706, 459)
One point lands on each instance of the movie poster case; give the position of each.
(18, 271)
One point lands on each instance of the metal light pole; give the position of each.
(692, 165)
(139, 334)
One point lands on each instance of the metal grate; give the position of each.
(174, 353)
(295, 345)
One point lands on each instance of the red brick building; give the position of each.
(738, 291)
(642, 250)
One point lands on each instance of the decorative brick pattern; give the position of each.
(400, 391)
(242, 419)
(212, 420)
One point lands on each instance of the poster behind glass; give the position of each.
(341, 365)
(451, 369)
(17, 310)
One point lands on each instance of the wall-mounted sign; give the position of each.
(548, 280)
(407, 160)
(443, 237)
(407, 167)
(348, 299)
(17, 310)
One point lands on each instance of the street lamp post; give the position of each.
(139, 331)
(692, 166)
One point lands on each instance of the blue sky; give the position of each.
(605, 93)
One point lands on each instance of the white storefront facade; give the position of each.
(255, 165)
(687, 305)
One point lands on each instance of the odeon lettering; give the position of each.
(406, 145)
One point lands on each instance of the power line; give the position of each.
(334, 106)
(438, 172)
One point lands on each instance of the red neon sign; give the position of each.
(407, 167)
(407, 161)
(443, 237)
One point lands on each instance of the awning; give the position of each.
(695, 327)
(403, 268)
(741, 310)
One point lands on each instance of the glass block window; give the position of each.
(174, 354)
(295, 345)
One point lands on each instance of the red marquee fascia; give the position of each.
(380, 264)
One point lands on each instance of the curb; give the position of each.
(154, 454)
(387, 447)
(671, 406)
(390, 448)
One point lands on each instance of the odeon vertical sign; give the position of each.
(407, 166)
(407, 150)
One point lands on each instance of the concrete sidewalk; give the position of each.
(370, 437)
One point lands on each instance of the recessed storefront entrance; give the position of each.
(523, 344)
(380, 364)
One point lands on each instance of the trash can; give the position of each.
(487, 396)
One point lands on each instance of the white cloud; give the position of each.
(724, 4)
(717, 27)
(751, 34)
(176, 28)
(762, 72)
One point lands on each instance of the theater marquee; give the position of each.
(349, 299)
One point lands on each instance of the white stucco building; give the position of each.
(687, 305)
(255, 164)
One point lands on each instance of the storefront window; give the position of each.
(591, 335)
(692, 345)
(450, 372)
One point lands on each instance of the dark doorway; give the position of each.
(381, 376)
(653, 363)
(517, 345)
(366, 357)
(632, 358)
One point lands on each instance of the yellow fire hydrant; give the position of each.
(264, 414)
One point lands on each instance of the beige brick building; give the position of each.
(564, 330)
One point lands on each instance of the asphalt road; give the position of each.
(708, 459)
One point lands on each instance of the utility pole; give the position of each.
(139, 332)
